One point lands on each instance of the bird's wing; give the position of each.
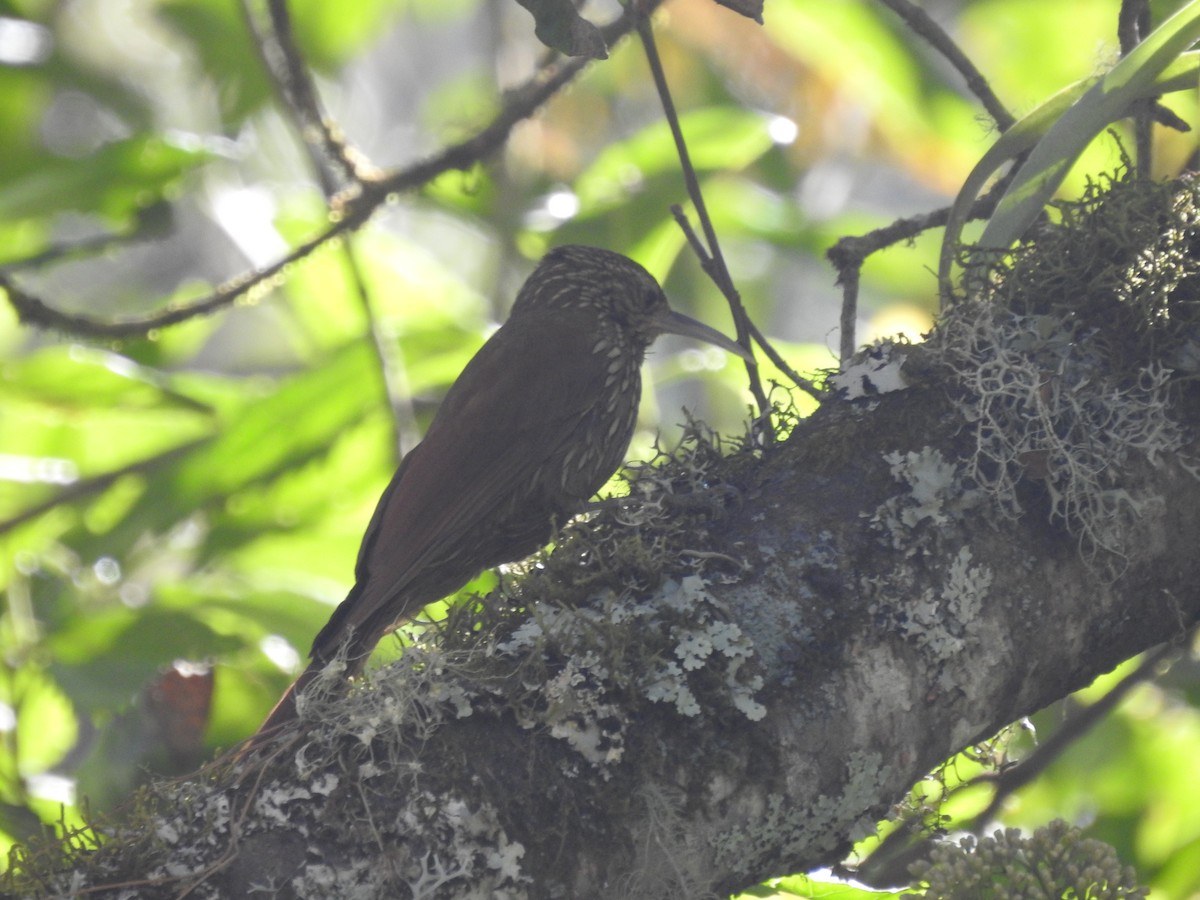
(519, 399)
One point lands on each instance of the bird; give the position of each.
(533, 427)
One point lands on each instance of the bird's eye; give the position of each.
(651, 298)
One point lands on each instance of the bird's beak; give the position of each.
(671, 322)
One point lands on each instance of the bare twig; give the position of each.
(1015, 777)
(353, 209)
(299, 106)
(285, 63)
(849, 254)
(89, 246)
(390, 357)
(922, 24)
(1133, 22)
(772, 354)
(32, 310)
(712, 261)
(889, 862)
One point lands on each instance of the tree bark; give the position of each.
(882, 650)
(734, 674)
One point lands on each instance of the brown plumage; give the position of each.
(536, 423)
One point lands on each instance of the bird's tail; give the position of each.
(352, 658)
(285, 710)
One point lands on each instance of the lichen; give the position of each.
(876, 369)
(1041, 406)
(1068, 354)
(936, 496)
(1056, 861)
(347, 804)
(672, 645)
(940, 622)
(923, 519)
(784, 828)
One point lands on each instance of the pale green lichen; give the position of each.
(939, 622)
(936, 495)
(1068, 351)
(585, 689)
(935, 618)
(466, 845)
(619, 629)
(780, 630)
(785, 830)
(1039, 407)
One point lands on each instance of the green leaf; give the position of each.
(77, 378)
(115, 182)
(303, 418)
(331, 33)
(1063, 126)
(45, 725)
(829, 39)
(302, 530)
(719, 138)
(247, 610)
(74, 412)
(103, 661)
(816, 888)
(24, 94)
(219, 38)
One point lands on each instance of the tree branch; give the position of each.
(924, 25)
(619, 734)
(711, 258)
(351, 210)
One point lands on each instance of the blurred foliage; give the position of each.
(1057, 861)
(190, 504)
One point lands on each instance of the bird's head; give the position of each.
(629, 307)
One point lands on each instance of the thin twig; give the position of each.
(910, 842)
(1017, 776)
(32, 310)
(85, 487)
(284, 62)
(353, 210)
(772, 354)
(89, 246)
(1133, 23)
(848, 278)
(712, 261)
(849, 253)
(299, 107)
(390, 357)
(923, 24)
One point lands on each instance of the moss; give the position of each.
(641, 644)
(1073, 357)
